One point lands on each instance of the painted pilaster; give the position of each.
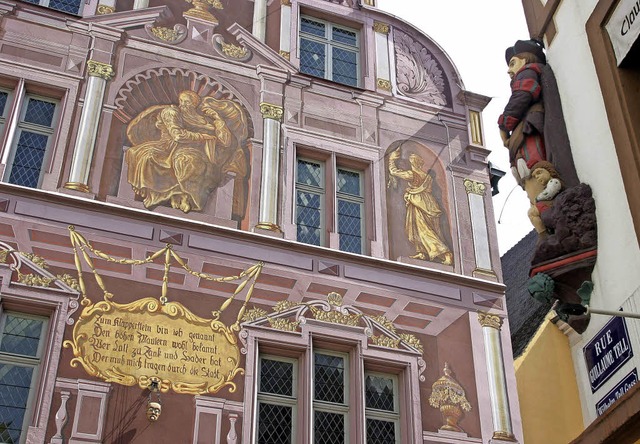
(99, 73)
(140, 4)
(383, 64)
(500, 410)
(260, 20)
(475, 193)
(272, 118)
(285, 29)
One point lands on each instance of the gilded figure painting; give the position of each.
(424, 232)
(180, 152)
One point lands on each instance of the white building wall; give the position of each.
(617, 272)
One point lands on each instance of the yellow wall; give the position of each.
(547, 389)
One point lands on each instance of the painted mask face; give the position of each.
(153, 411)
(515, 64)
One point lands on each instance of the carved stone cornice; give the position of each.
(473, 187)
(98, 69)
(380, 27)
(270, 111)
(490, 320)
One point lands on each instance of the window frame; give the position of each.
(344, 409)
(321, 191)
(328, 43)
(20, 360)
(360, 200)
(382, 415)
(45, 4)
(21, 126)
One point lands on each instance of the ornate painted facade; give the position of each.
(244, 222)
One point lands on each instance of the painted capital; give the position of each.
(102, 70)
(270, 111)
(285, 55)
(384, 84)
(380, 27)
(105, 9)
(490, 320)
(285, 2)
(473, 187)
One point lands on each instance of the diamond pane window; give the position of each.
(275, 424)
(34, 133)
(276, 377)
(381, 432)
(350, 210)
(70, 6)
(328, 428)
(381, 408)
(329, 373)
(329, 51)
(309, 201)
(309, 173)
(19, 360)
(4, 96)
(379, 393)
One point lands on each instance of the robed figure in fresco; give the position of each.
(182, 152)
(422, 222)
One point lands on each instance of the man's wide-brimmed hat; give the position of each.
(533, 46)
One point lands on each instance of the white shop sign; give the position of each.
(624, 27)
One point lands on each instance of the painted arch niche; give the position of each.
(184, 137)
(417, 204)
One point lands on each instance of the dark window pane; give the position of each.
(379, 393)
(350, 226)
(349, 182)
(312, 58)
(15, 382)
(21, 335)
(309, 173)
(40, 112)
(344, 36)
(274, 424)
(28, 159)
(312, 27)
(71, 6)
(380, 432)
(308, 217)
(3, 101)
(329, 378)
(328, 428)
(276, 377)
(345, 68)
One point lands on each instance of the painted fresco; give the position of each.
(187, 136)
(416, 204)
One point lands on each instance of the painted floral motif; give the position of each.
(419, 75)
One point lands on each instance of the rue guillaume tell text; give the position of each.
(142, 346)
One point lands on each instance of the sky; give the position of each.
(475, 34)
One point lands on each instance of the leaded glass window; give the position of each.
(69, 6)
(329, 51)
(330, 400)
(350, 209)
(35, 131)
(20, 349)
(276, 400)
(381, 408)
(310, 201)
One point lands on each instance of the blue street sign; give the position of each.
(607, 352)
(616, 393)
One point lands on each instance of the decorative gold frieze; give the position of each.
(449, 397)
(33, 280)
(334, 299)
(336, 317)
(253, 314)
(380, 27)
(233, 51)
(98, 69)
(105, 9)
(284, 305)
(70, 281)
(386, 323)
(385, 341)
(39, 261)
(270, 111)
(384, 84)
(412, 341)
(285, 55)
(163, 33)
(490, 320)
(200, 10)
(474, 187)
(283, 324)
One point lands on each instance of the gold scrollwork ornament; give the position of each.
(474, 187)
(270, 111)
(490, 320)
(233, 51)
(380, 27)
(98, 69)
(105, 9)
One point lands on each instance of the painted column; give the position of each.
(260, 19)
(99, 74)
(140, 4)
(268, 216)
(285, 29)
(500, 410)
(475, 193)
(383, 64)
(106, 7)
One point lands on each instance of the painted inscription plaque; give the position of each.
(138, 342)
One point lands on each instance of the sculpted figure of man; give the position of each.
(422, 222)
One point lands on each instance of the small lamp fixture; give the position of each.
(154, 408)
